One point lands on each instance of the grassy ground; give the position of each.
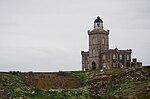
(129, 89)
(114, 71)
(85, 75)
(14, 86)
(81, 93)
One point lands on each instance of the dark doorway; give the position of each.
(93, 65)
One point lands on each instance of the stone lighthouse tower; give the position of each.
(99, 55)
(98, 44)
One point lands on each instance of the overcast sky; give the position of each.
(48, 35)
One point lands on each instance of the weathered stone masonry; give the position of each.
(100, 56)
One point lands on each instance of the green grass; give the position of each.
(114, 71)
(85, 75)
(123, 87)
(80, 93)
(14, 85)
(16, 88)
(118, 88)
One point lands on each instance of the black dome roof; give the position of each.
(98, 20)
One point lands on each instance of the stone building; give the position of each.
(99, 55)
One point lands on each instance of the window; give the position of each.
(98, 25)
(93, 40)
(94, 52)
(103, 40)
(104, 57)
(114, 56)
(120, 56)
(128, 57)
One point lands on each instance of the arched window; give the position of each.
(128, 57)
(114, 56)
(98, 24)
(120, 56)
(103, 40)
(94, 52)
(104, 57)
(93, 40)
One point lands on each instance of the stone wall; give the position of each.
(53, 80)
